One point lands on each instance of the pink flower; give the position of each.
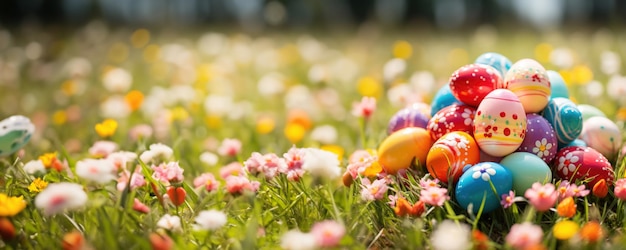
(567, 189)
(206, 180)
(240, 184)
(121, 159)
(359, 161)
(233, 168)
(373, 190)
(269, 164)
(542, 197)
(138, 180)
(365, 108)
(141, 131)
(294, 159)
(509, 199)
(428, 183)
(102, 148)
(229, 147)
(524, 235)
(328, 233)
(620, 189)
(434, 196)
(168, 172)
(140, 207)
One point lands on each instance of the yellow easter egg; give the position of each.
(400, 148)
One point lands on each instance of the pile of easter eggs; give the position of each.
(498, 126)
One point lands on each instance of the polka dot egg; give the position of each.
(456, 117)
(471, 83)
(602, 134)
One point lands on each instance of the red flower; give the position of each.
(177, 195)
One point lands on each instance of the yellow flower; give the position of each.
(582, 74)
(213, 121)
(37, 185)
(565, 229)
(134, 99)
(294, 132)
(106, 128)
(10, 206)
(59, 117)
(402, 49)
(265, 125)
(338, 150)
(368, 86)
(179, 114)
(140, 38)
(47, 159)
(542, 52)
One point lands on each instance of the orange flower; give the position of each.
(592, 232)
(481, 241)
(7, 231)
(403, 207)
(161, 241)
(600, 189)
(566, 208)
(177, 195)
(73, 241)
(418, 209)
(134, 99)
(299, 117)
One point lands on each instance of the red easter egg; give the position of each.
(450, 154)
(456, 117)
(576, 163)
(471, 83)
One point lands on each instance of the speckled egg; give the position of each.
(602, 134)
(456, 117)
(476, 184)
(412, 116)
(565, 118)
(529, 81)
(471, 83)
(540, 138)
(588, 111)
(500, 123)
(15, 132)
(443, 98)
(557, 85)
(399, 149)
(583, 163)
(495, 60)
(448, 155)
(526, 169)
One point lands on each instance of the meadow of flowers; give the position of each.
(179, 139)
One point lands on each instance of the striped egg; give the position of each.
(565, 118)
(500, 123)
(530, 82)
(447, 157)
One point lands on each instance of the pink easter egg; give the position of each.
(577, 163)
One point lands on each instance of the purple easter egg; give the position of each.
(540, 138)
(412, 116)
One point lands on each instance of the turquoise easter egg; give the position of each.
(589, 111)
(15, 132)
(475, 185)
(495, 60)
(565, 118)
(526, 169)
(443, 98)
(557, 85)
(577, 142)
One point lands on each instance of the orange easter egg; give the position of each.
(450, 154)
(399, 149)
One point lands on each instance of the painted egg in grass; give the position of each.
(448, 155)
(443, 98)
(565, 118)
(588, 111)
(495, 60)
(15, 132)
(602, 134)
(580, 164)
(529, 81)
(412, 116)
(540, 138)
(500, 123)
(557, 85)
(456, 117)
(526, 169)
(475, 185)
(471, 83)
(400, 148)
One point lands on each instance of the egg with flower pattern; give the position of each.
(500, 123)
(583, 164)
(477, 184)
(540, 138)
(530, 82)
(448, 155)
(565, 118)
(471, 83)
(15, 132)
(415, 115)
(456, 117)
(400, 149)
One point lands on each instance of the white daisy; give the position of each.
(566, 164)
(483, 171)
(542, 147)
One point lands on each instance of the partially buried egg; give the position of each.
(415, 115)
(583, 164)
(529, 81)
(471, 83)
(447, 157)
(500, 123)
(456, 117)
(400, 149)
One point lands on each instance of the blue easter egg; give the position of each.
(443, 98)
(577, 142)
(557, 85)
(15, 132)
(565, 118)
(476, 184)
(526, 169)
(498, 61)
(412, 116)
